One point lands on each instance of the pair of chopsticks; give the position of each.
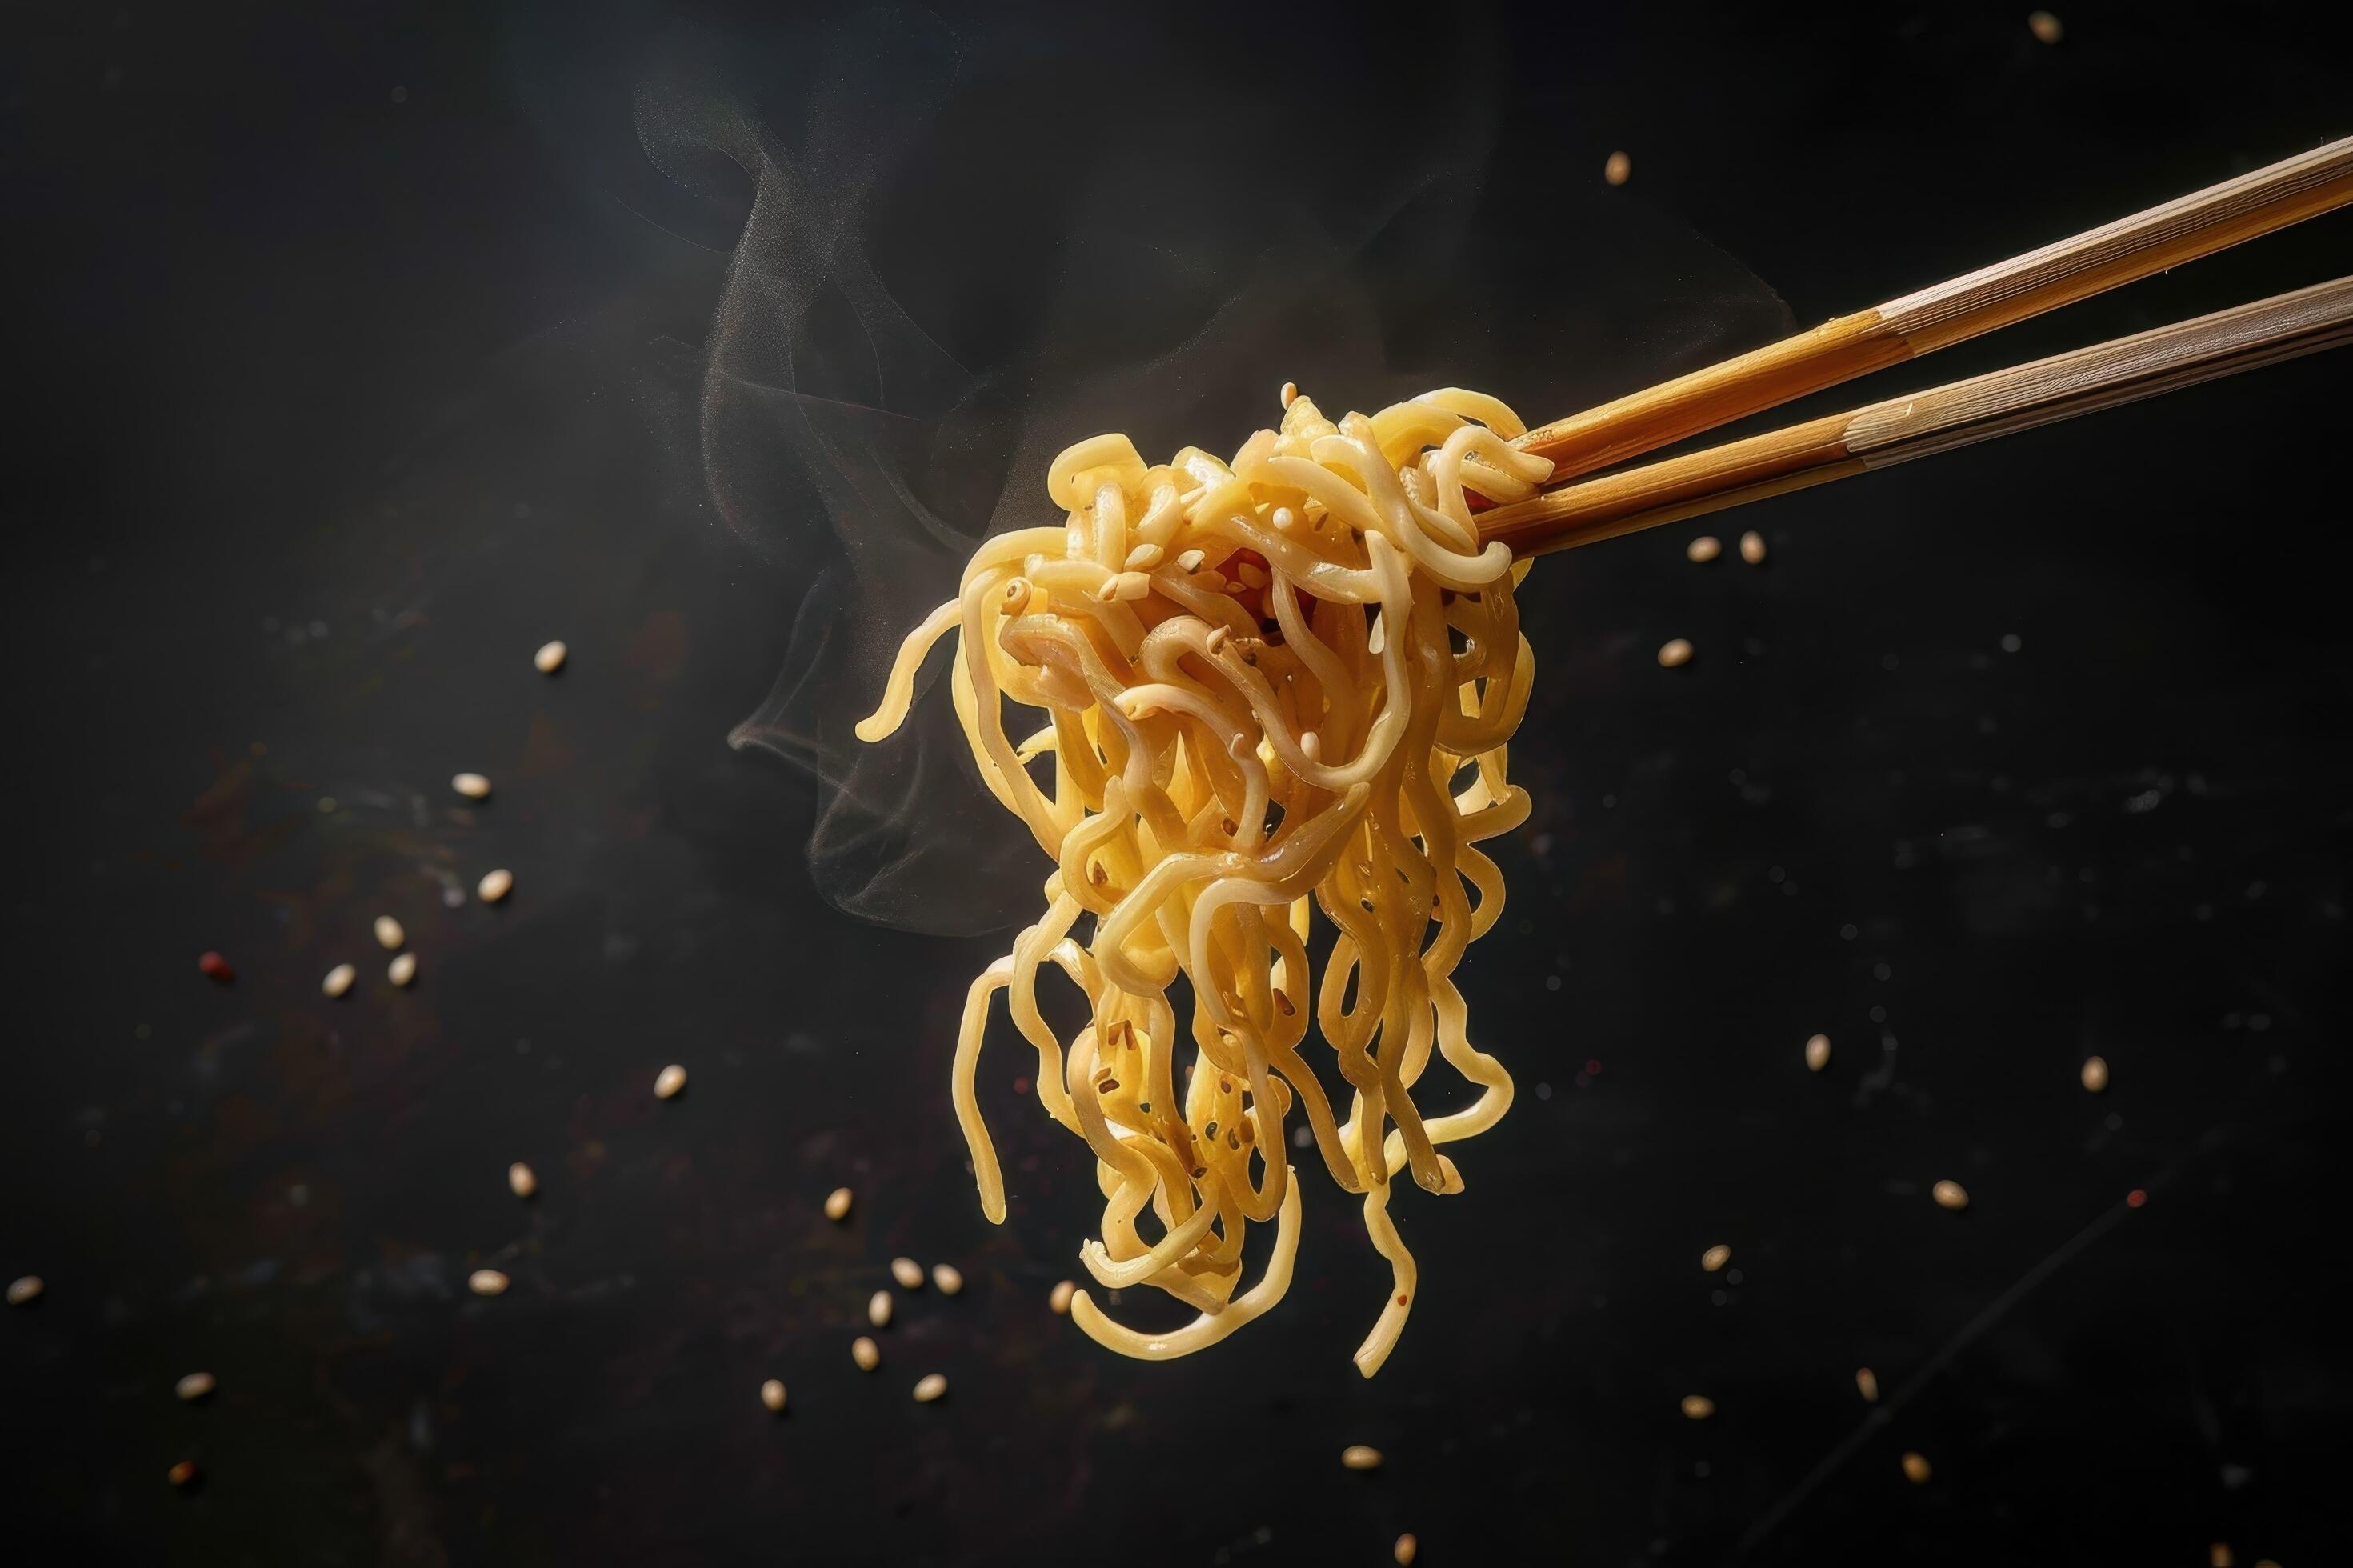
(1584, 509)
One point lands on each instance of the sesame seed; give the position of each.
(836, 1203)
(2045, 27)
(2095, 1073)
(1866, 1383)
(1698, 1407)
(195, 1386)
(550, 658)
(487, 1282)
(1752, 548)
(184, 1474)
(402, 969)
(521, 1180)
(1677, 652)
(669, 1081)
(1950, 1195)
(1290, 393)
(1060, 1300)
(494, 886)
(930, 1386)
(878, 1308)
(1405, 1549)
(339, 980)
(866, 1353)
(948, 1278)
(1915, 1467)
(473, 786)
(1190, 561)
(907, 1272)
(772, 1394)
(24, 1292)
(388, 934)
(1618, 169)
(1704, 549)
(1716, 1257)
(1360, 1456)
(1818, 1052)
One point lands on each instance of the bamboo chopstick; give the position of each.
(1938, 420)
(2073, 268)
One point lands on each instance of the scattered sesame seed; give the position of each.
(521, 1180)
(550, 658)
(1290, 393)
(1061, 1299)
(669, 1081)
(1752, 548)
(2045, 27)
(473, 786)
(948, 1278)
(1405, 1549)
(402, 969)
(1360, 1456)
(1618, 169)
(772, 1394)
(24, 1292)
(1704, 549)
(494, 886)
(1818, 1052)
(930, 1386)
(195, 1386)
(1915, 1467)
(878, 1308)
(2095, 1073)
(1716, 1257)
(1190, 561)
(1674, 653)
(1866, 1383)
(339, 980)
(836, 1203)
(487, 1282)
(184, 1474)
(388, 934)
(1950, 1195)
(1698, 1407)
(866, 1353)
(907, 1272)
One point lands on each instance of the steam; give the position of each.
(1106, 247)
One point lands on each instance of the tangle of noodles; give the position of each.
(1273, 684)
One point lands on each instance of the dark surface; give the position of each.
(331, 403)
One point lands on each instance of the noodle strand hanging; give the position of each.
(1270, 686)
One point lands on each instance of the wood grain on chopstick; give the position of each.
(1936, 420)
(2073, 268)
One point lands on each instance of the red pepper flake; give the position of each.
(184, 1474)
(1593, 1069)
(1020, 1086)
(2134, 1198)
(1401, 1301)
(217, 968)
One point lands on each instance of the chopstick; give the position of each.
(1938, 420)
(2074, 269)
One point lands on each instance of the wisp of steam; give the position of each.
(965, 250)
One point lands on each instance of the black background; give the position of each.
(328, 406)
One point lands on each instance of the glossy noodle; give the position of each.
(1270, 685)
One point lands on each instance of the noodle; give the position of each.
(1263, 680)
